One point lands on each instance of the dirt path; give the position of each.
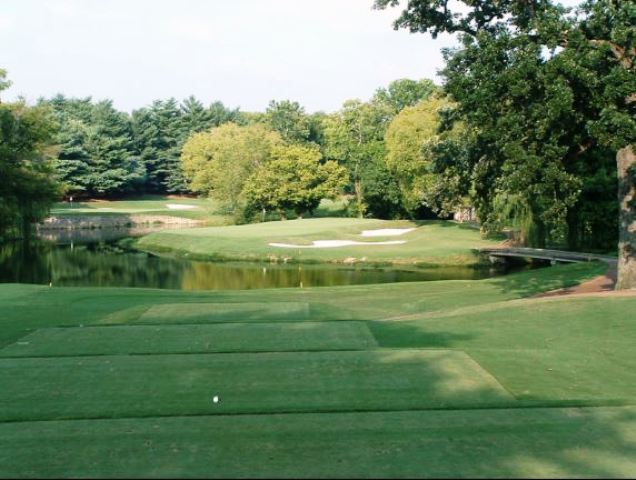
(601, 285)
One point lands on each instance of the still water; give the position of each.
(64, 262)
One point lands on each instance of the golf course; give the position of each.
(475, 378)
(365, 239)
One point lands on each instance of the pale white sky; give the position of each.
(242, 52)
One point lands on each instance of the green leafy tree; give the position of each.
(290, 120)
(407, 138)
(355, 137)
(545, 63)
(27, 189)
(294, 179)
(219, 161)
(404, 93)
(160, 131)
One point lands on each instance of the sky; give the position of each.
(241, 52)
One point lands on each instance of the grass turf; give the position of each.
(433, 242)
(528, 443)
(204, 209)
(225, 337)
(168, 385)
(453, 382)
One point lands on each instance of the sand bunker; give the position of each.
(177, 206)
(386, 232)
(335, 243)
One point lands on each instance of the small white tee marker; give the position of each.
(216, 399)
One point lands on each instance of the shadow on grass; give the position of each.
(536, 281)
(407, 334)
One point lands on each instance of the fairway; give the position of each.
(233, 337)
(555, 442)
(226, 312)
(447, 379)
(99, 387)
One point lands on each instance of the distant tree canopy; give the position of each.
(294, 179)
(251, 168)
(354, 137)
(289, 120)
(26, 187)
(160, 132)
(104, 152)
(219, 161)
(409, 139)
(96, 155)
(404, 93)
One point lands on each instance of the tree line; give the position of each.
(280, 160)
(402, 154)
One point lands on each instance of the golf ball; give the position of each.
(215, 399)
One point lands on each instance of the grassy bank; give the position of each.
(431, 242)
(450, 378)
(204, 210)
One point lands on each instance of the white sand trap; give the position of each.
(178, 206)
(386, 232)
(335, 243)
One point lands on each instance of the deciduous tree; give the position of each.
(294, 179)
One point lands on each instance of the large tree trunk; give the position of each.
(626, 162)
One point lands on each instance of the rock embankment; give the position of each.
(75, 222)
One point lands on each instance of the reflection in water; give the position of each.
(87, 235)
(107, 264)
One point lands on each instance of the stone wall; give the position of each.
(72, 222)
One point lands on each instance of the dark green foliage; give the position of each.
(290, 120)
(163, 128)
(546, 98)
(405, 93)
(96, 152)
(156, 139)
(103, 152)
(26, 187)
(381, 191)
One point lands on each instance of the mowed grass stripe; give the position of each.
(160, 385)
(225, 312)
(161, 339)
(507, 443)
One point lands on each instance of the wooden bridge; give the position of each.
(553, 256)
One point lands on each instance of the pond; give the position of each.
(105, 263)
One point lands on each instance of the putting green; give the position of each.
(100, 387)
(226, 312)
(227, 337)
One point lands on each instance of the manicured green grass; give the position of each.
(225, 337)
(226, 312)
(505, 443)
(203, 209)
(430, 379)
(168, 385)
(433, 242)
(543, 351)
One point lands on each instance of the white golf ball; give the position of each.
(215, 399)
